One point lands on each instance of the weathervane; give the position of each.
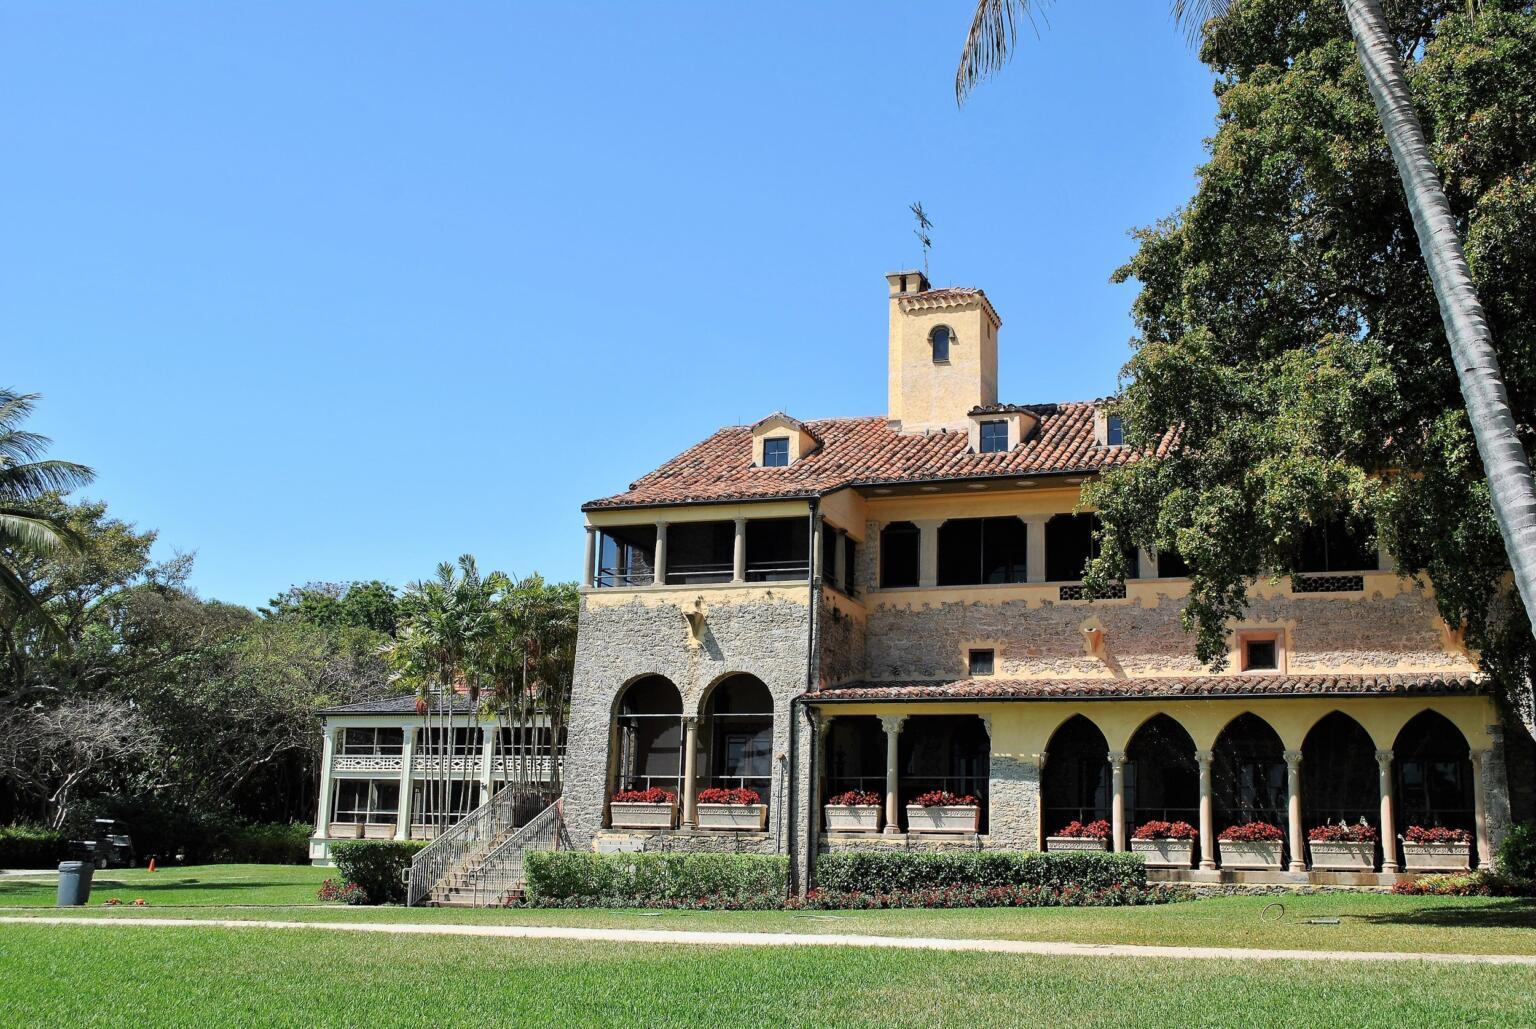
(921, 232)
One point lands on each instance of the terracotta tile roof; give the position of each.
(867, 451)
(1189, 686)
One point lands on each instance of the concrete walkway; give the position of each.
(733, 939)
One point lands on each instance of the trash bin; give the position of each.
(74, 883)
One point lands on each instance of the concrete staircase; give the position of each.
(479, 862)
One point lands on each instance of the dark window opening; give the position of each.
(366, 800)
(460, 742)
(1162, 776)
(1260, 655)
(1114, 431)
(1075, 782)
(700, 552)
(981, 550)
(1340, 781)
(982, 662)
(1171, 566)
(945, 752)
(372, 742)
(1070, 545)
(1337, 547)
(829, 570)
(625, 556)
(850, 565)
(739, 728)
(778, 550)
(994, 437)
(899, 555)
(939, 339)
(1248, 775)
(776, 452)
(650, 736)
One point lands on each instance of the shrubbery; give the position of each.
(31, 846)
(275, 843)
(576, 879)
(376, 867)
(858, 872)
(1121, 895)
(1517, 854)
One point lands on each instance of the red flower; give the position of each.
(1251, 832)
(941, 798)
(654, 795)
(1436, 834)
(716, 795)
(1343, 832)
(1076, 830)
(856, 798)
(1165, 831)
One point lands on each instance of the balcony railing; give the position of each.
(367, 763)
(610, 577)
(696, 574)
(779, 571)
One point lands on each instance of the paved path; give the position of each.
(732, 939)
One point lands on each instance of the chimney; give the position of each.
(942, 354)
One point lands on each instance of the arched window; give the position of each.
(1075, 785)
(945, 752)
(939, 339)
(1248, 774)
(1434, 774)
(650, 736)
(1340, 780)
(1162, 777)
(738, 735)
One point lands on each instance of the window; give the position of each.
(366, 800)
(829, 569)
(899, 544)
(624, 556)
(850, 564)
(776, 452)
(461, 742)
(1259, 651)
(981, 550)
(1333, 547)
(372, 742)
(1171, 566)
(700, 552)
(1114, 431)
(778, 550)
(994, 437)
(982, 662)
(1069, 544)
(939, 340)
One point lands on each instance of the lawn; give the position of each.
(132, 975)
(1365, 921)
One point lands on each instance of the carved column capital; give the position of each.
(1117, 757)
(893, 723)
(1205, 757)
(1293, 759)
(1384, 759)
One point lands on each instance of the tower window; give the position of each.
(994, 437)
(776, 452)
(939, 339)
(1114, 431)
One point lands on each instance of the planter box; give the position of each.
(1078, 843)
(855, 818)
(1437, 857)
(1165, 853)
(1343, 857)
(424, 831)
(379, 830)
(739, 817)
(628, 815)
(1260, 854)
(345, 830)
(956, 818)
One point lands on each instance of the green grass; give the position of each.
(209, 976)
(1367, 921)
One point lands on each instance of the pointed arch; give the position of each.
(1432, 768)
(1075, 783)
(1162, 776)
(1340, 780)
(1248, 773)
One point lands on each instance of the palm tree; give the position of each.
(989, 44)
(24, 477)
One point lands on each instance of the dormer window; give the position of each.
(1114, 431)
(779, 441)
(776, 452)
(938, 339)
(994, 437)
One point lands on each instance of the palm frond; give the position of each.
(27, 531)
(14, 590)
(15, 407)
(1191, 15)
(989, 43)
(32, 480)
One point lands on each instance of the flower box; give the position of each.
(740, 817)
(943, 818)
(628, 814)
(1165, 853)
(1250, 854)
(423, 831)
(1076, 843)
(379, 830)
(345, 830)
(853, 817)
(1342, 857)
(1436, 857)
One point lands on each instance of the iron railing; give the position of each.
(779, 571)
(693, 574)
(501, 873)
(472, 837)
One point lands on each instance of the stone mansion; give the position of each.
(892, 605)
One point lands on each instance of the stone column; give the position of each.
(690, 772)
(659, 564)
(407, 781)
(1117, 798)
(1293, 810)
(1034, 548)
(928, 550)
(823, 724)
(589, 565)
(1480, 807)
(487, 760)
(327, 756)
(1146, 564)
(818, 531)
(892, 725)
(739, 552)
(1042, 830)
(1388, 818)
(1207, 812)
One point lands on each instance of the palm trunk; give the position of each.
(1477, 364)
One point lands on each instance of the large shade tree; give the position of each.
(1288, 72)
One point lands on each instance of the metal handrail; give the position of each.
(476, 831)
(501, 871)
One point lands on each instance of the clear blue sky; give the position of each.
(336, 291)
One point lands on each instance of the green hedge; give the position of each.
(884, 872)
(31, 846)
(376, 866)
(565, 877)
(1517, 854)
(275, 843)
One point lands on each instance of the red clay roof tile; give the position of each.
(1188, 686)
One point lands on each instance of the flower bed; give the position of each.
(1113, 895)
(738, 809)
(1165, 844)
(854, 811)
(1251, 845)
(1436, 849)
(1342, 847)
(1080, 836)
(940, 811)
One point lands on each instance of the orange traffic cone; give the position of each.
(151, 864)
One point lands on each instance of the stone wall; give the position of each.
(761, 631)
(661, 842)
(840, 638)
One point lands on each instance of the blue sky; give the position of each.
(337, 291)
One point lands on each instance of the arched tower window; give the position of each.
(939, 340)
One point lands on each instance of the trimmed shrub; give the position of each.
(874, 872)
(575, 879)
(1517, 854)
(376, 866)
(31, 846)
(993, 897)
(275, 843)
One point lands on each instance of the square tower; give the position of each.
(943, 353)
